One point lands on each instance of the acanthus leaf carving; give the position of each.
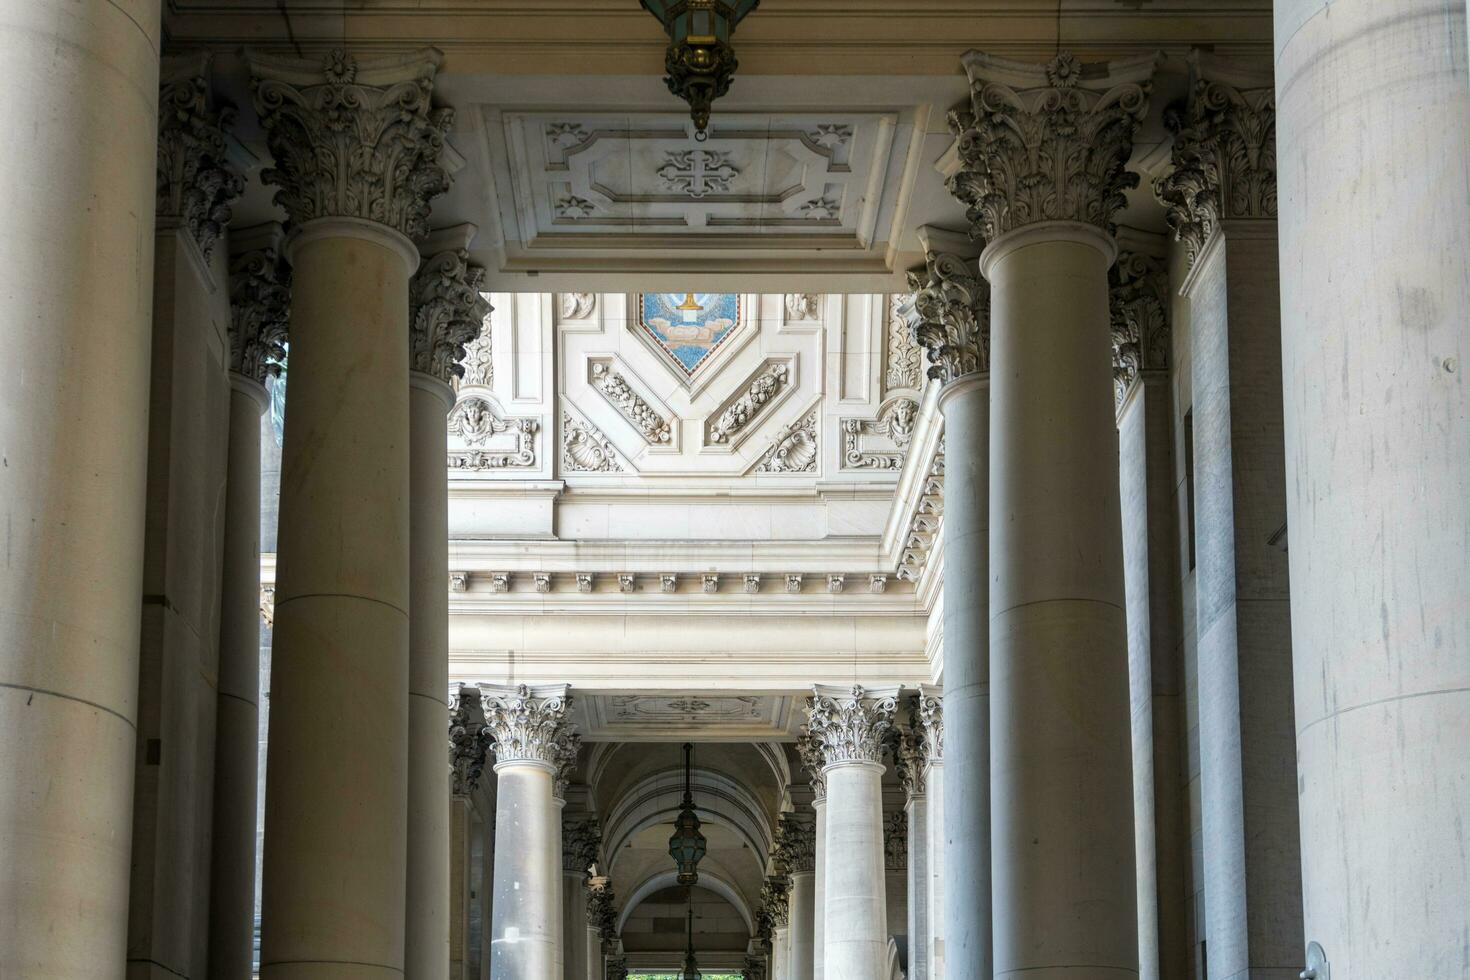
(1224, 161)
(850, 725)
(584, 449)
(810, 752)
(1055, 149)
(196, 183)
(931, 718)
(798, 843)
(528, 724)
(909, 754)
(447, 312)
(581, 841)
(952, 304)
(795, 449)
(351, 139)
(470, 741)
(904, 355)
(260, 310)
(568, 746)
(1138, 301)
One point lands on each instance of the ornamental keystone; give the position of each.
(528, 723)
(353, 139)
(1047, 142)
(850, 724)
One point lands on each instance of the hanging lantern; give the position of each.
(700, 61)
(687, 845)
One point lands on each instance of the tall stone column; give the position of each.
(1147, 487)
(581, 840)
(799, 838)
(1222, 197)
(602, 917)
(355, 146)
(953, 305)
(446, 311)
(908, 755)
(529, 728)
(470, 743)
(931, 720)
(188, 425)
(809, 749)
(1373, 104)
(76, 271)
(1042, 160)
(849, 727)
(260, 297)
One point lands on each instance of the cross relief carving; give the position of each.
(697, 172)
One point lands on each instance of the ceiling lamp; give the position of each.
(687, 845)
(700, 61)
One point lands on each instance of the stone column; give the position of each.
(355, 146)
(260, 283)
(470, 743)
(581, 840)
(931, 718)
(1141, 344)
(811, 760)
(1222, 197)
(1373, 119)
(446, 311)
(76, 271)
(188, 426)
(849, 727)
(529, 728)
(799, 836)
(602, 917)
(908, 755)
(773, 921)
(953, 305)
(1063, 874)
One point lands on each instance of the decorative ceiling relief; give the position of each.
(478, 362)
(584, 449)
(480, 439)
(802, 307)
(715, 715)
(757, 397)
(647, 420)
(688, 328)
(795, 449)
(697, 173)
(892, 430)
(903, 356)
(576, 306)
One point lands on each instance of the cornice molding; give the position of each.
(1049, 142)
(353, 139)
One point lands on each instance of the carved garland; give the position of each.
(743, 410)
(614, 387)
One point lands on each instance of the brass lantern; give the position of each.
(687, 845)
(700, 63)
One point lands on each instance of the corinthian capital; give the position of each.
(260, 307)
(196, 182)
(1047, 142)
(849, 725)
(931, 717)
(1224, 157)
(469, 741)
(810, 751)
(580, 842)
(527, 723)
(447, 311)
(1139, 311)
(797, 842)
(355, 140)
(952, 304)
(910, 754)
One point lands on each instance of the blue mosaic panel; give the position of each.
(690, 326)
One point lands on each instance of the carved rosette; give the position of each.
(798, 844)
(952, 316)
(1224, 161)
(446, 313)
(931, 717)
(528, 724)
(811, 761)
(581, 840)
(196, 183)
(470, 741)
(260, 308)
(1047, 143)
(1139, 312)
(850, 726)
(355, 140)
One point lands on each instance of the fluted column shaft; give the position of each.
(426, 936)
(76, 271)
(1373, 123)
